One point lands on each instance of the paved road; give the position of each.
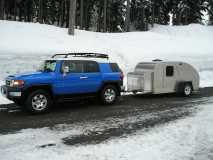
(129, 115)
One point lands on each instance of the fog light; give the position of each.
(15, 94)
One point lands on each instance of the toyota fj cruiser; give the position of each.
(65, 77)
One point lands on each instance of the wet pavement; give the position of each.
(99, 123)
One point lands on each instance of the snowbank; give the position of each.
(185, 139)
(23, 45)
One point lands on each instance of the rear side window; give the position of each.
(115, 67)
(169, 71)
(74, 66)
(91, 67)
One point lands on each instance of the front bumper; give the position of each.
(11, 93)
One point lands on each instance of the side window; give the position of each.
(91, 67)
(74, 66)
(115, 67)
(169, 71)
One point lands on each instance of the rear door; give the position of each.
(92, 77)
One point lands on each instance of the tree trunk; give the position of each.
(179, 18)
(127, 16)
(99, 26)
(81, 14)
(67, 8)
(15, 10)
(105, 15)
(143, 18)
(153, 14)
(2, 9)
(86, 13)
(186, 17)
(72, 14)
(40, 17)
(159, 15)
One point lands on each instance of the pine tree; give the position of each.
(164, 8)
(189, 11)
(116, 17)
(141, 14)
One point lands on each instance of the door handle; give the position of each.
(84, 77)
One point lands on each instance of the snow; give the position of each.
(185, 139)
(24, 45)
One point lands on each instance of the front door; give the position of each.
(83, 77)
(71, 82)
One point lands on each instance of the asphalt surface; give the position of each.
(129, 115)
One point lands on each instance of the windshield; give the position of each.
(48, 66)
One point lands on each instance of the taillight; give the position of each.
(122, 75)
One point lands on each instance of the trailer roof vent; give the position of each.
(157, 60)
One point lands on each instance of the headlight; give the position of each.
(16, 83)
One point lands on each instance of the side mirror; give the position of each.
(66, 70)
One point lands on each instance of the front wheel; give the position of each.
(109, 94)
(38, 101)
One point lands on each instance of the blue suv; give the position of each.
(65, 77)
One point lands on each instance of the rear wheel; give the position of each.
(109, 94)
(38, 101)
(187, 90)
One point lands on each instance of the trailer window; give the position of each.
(169, 71)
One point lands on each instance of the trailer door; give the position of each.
(169, 78)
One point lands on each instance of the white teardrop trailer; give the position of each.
(159, 77)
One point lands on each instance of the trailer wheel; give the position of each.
(187, 90)
(134, 92)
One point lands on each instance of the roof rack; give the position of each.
(157, 60)
(87, 55)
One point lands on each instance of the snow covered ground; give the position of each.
(24, 45)
(186, 139)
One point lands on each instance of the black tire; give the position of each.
(187, 90)
(134, 92)
(38, 101)
(106, 98)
